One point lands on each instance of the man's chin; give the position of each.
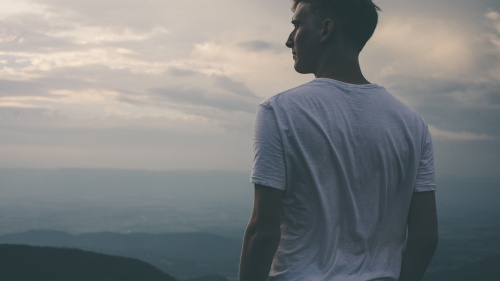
(301, 70)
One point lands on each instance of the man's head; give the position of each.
(354, 20)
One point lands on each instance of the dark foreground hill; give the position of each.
(182, 255)
(29, 263)
(484, 270)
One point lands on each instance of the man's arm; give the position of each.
(262, 235)
(422, 236)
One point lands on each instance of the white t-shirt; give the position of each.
(349, 158)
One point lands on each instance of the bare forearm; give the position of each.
(422, 236)
(416, 258)
(257, 254)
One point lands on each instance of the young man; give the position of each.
(343, 171)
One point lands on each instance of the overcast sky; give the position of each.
(174, 84)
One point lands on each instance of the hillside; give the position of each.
(29, 263)
(182, 255)
(187, 256)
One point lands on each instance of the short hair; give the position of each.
(356, 19)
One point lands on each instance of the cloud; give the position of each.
(422, 46)
(21, 88)
(176, 83)
(259, 45)
(12, 113)
(276, 68)
(445, 67)
(45, 139)
(233, 86)
(15, 7)
(492, 36)
(180, 72)
(83, 35)
(459, 136)
(451, 105)
(495, 17)
(205, 98)
(425, 45)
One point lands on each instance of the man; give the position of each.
(343, 171)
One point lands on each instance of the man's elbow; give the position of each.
(271, 236)
(267, 236)
(263, 235)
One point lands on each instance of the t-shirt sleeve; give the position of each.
(269, 164)
(426, 176)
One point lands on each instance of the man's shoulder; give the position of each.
(329, 91)
(290, 94)
(322, 85)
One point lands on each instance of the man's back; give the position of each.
(337, 165)
(347, 157)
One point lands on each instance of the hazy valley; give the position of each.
(146, 215)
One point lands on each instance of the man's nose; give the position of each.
(289, 41)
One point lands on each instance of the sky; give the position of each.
(174, 84)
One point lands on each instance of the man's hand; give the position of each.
(262, 235)
(422, 236)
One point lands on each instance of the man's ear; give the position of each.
(327, 29)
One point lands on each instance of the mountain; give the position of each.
(484, 270)
(183, 255)
(29, 263)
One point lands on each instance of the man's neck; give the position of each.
(344, 68)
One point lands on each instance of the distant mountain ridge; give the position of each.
(31, 263)
(182, 255)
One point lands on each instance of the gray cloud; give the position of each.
(260, 45)
(450, 9)
(108, 13)
(233, 86)
(166, 73)
(42, 86)
(205, 98)
(21, 88)
(178, 72)
(13, 114)
(29, 32)
(453, 105)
